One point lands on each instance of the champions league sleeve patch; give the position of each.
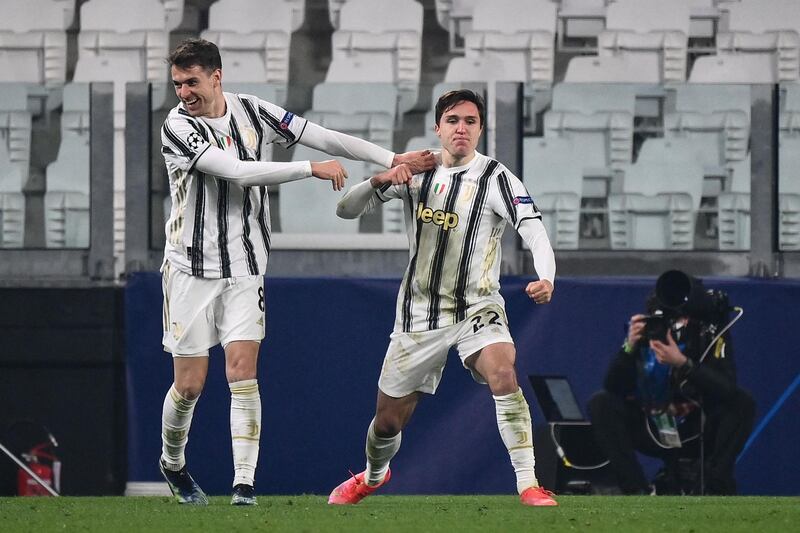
(286, 120)
(194, 140)
(522, 200)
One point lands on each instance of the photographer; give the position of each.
(671, 393)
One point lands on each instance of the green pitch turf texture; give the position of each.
(417, 514)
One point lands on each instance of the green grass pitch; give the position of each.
(415, 514)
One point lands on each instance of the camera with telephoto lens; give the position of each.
(677, 294)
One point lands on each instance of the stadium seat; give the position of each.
(769, 34)
(553, 175)
(662, 150)
(789, 194)
(298, 13)
(119, 30)
(67, 198)
(309, 205)
(658, 204)
(789, 121)
(334, 8)
(15, 126)
(360, 69)
(599, 119)
(253, 39)
(12, 202)
(363, 110)
(455, 16)
(704, 19)
(614, 69)
(487, 68)
(732, 69)
(648, 28)
(380, 33)
(733, 210)
(122, 41)
(788, 165)
(522, 32)
(33, 41)
(15, 140)
(716, 119)
(580, 19)
(173, 13)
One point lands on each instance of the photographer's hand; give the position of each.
(635, 330)
(668, 353)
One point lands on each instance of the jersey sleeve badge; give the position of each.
(194, 140)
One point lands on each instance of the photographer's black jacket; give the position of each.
(713, 380)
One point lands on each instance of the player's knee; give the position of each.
(190, 389)
(387, 427)
(502, 379)
(239, 370)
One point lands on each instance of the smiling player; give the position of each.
(218, 243)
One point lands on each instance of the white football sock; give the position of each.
(379, 452)
(245, 429)
(514, 423)
(176, 418)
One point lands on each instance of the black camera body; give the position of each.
(677, 294)
(717, 308)
(656, 327)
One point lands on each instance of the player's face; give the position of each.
(459, 129)
(199, 90)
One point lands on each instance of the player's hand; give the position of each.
(540, 291)
(330, 170)
(395, 176)
(418, 161)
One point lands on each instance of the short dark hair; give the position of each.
(451, 99)
(200, 52)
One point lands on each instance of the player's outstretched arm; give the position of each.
(361, 198)
(250, 173)
(418, 161)
(342, 145)
(254, 173)
(330, 170)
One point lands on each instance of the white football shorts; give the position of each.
(200, 313)
(415, 361)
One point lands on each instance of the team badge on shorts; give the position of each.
(195, 140)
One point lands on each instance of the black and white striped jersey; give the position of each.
(455, 219)
(219, 229)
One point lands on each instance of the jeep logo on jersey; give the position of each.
(441, 218)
